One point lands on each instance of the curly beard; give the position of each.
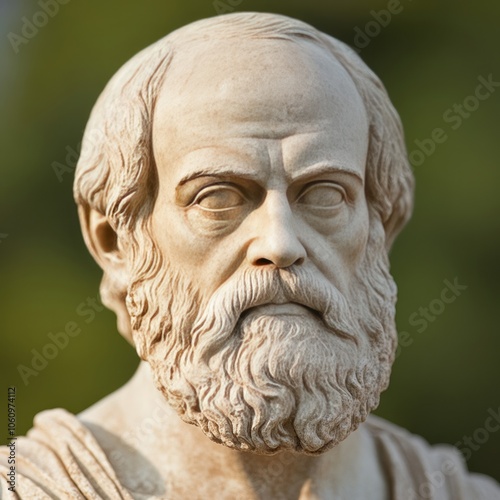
(268, 383)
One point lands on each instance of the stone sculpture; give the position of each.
(241, 182)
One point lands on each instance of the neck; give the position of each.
(185, 463)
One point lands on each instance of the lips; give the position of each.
(282, 309)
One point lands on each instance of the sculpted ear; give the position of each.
(103, 243)
(101, 240)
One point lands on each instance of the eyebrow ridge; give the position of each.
(317, 169)
(220, 172)
(327, 168)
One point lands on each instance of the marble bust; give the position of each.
(240, 184)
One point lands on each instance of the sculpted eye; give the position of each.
(322, 195)
(219, 198)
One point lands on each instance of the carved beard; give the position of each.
(269, 383)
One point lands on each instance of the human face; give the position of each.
(260, 148)
(260, 218)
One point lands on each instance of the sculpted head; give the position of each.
(241, 182)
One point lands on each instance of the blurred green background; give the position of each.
(429, 55)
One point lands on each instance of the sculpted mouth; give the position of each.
(282, 309)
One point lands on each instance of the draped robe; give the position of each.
(60, 458)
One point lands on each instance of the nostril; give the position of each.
(299, 261)
(263, 262)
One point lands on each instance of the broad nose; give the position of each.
(275, 240)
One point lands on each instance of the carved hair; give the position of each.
(116, 173)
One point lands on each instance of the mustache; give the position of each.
(257, 287)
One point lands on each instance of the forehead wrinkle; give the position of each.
(266, 160)
(212, 166)
(276, 163)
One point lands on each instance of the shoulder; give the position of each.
(59, 458)
(419, 470)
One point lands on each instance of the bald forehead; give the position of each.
(240, 55)
(254, 91)
(251, 73)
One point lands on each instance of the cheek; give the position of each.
(352, 238)
(206, 257)
(338, 246)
